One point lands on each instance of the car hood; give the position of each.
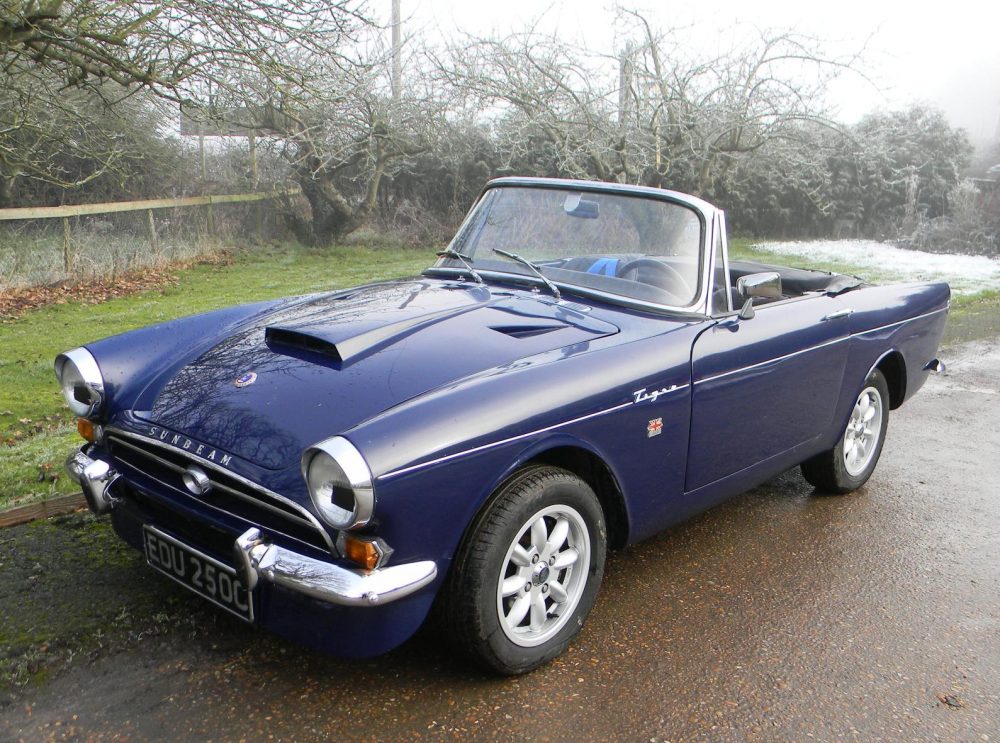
(323, 365)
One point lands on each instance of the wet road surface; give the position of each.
(778, 616)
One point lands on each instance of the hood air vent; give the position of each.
(526, 331)
(294, 339)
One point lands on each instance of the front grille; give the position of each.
(229, 493)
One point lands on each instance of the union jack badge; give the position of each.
(655, 428)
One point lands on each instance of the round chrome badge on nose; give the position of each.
(246, 380)
(196, 481)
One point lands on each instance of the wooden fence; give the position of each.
(79, 210)
(65, 213)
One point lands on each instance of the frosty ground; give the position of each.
(967, 274)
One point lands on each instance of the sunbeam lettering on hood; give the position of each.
(184, 443)
(340, 359)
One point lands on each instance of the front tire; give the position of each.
(528, 572)
(850, 463)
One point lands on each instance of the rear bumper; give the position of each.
(258, 559)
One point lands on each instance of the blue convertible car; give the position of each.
(583, 367)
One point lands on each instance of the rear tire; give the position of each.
(528, 572)
(850, 463)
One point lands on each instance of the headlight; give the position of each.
(81, 380)
(340, 483)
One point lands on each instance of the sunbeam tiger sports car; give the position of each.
(582, 367)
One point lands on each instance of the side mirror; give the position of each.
(577, 206)
(766, 285)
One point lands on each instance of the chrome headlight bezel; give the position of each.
(81, 381)
(342, 461)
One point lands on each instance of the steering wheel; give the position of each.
(673, 278)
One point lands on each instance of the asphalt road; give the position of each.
(779, 616)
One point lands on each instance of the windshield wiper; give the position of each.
(525, 262)
(465, 261)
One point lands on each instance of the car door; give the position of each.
(764, 385)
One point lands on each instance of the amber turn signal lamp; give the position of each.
(362, 551)
(86, 429)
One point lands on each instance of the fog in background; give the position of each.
(948, 56)
(855, 120)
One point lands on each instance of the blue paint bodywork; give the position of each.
(447, 387)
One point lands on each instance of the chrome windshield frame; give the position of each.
(708, 215)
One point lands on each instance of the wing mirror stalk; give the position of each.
(766, 284)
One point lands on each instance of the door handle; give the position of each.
(847, 312)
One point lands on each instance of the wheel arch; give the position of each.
(893, 368)
(575, 456)
(471, 622)
(594, 471)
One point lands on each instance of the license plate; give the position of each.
(206, 576)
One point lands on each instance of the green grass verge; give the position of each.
(34, 422)
(973, 317)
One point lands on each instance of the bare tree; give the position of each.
(716, 112)
(161, 45)
(652, 114)
(55, 139)
(540, 88)
(311, 74)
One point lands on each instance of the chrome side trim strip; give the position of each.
(819, 346)
(306, 515)
(909, 319)
(772, 361)
(484, 447)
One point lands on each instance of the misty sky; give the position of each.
(949, 57)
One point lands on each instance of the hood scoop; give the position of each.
(324, 365)
(279, 339)
(342, 342)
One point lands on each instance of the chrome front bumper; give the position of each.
(257, 559)
(97, 479)
(326, 581)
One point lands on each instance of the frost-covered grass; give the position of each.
(881, 262)
(974, 280)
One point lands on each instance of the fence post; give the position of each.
(211, 220)
(209, 210)
(153, 239)
(67, 246)
(258, 208)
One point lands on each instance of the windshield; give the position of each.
(633, 246)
